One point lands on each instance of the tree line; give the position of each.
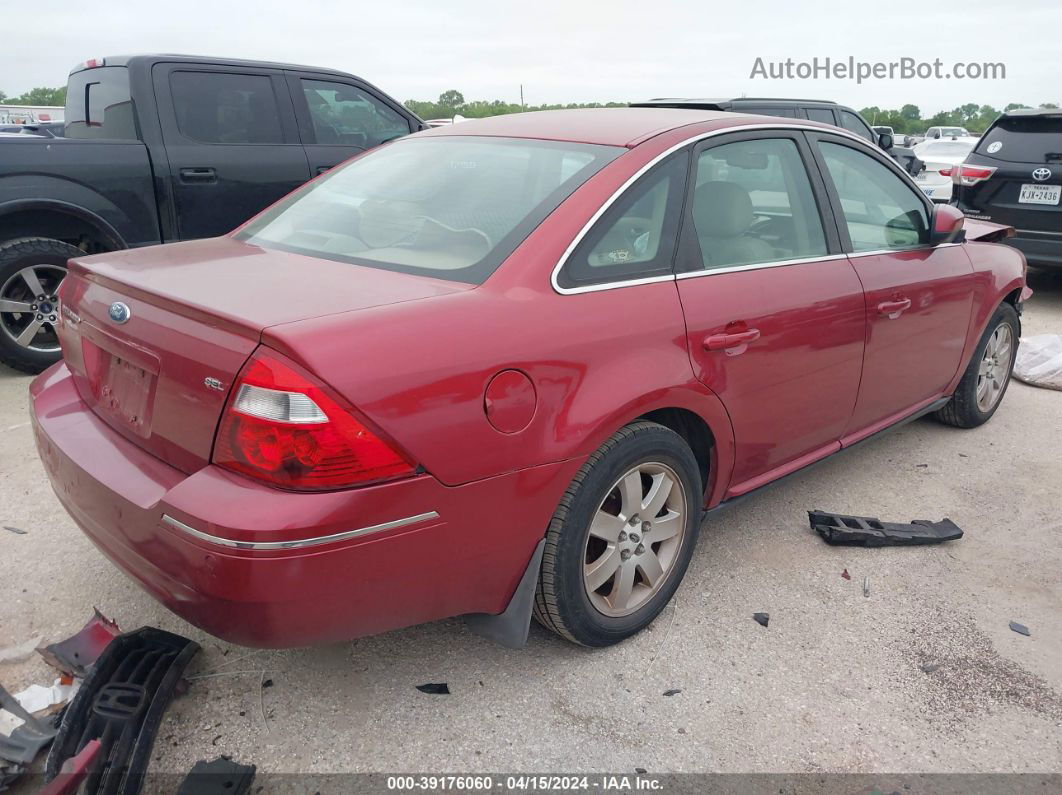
(37, 96)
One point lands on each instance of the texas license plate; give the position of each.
(1040, 194)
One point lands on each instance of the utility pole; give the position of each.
(522, 105)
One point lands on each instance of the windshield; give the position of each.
(948, 132)
(449, 207)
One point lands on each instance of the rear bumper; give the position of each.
(263, 567)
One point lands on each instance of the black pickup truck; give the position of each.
(161, 148)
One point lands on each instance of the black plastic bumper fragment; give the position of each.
(121, 704)
(22, 745)
(222, 776)
(868, 531)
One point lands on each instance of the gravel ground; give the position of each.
(835, 683)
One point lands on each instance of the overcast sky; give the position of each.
(567, 51)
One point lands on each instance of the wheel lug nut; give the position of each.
(646, 527)
(625, 554)
(40, 317)
(622, 536)
(635, 537)
(639, 550)
(633, 520)
(51, 318)
(33, 307)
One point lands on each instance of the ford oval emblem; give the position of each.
(119, 312)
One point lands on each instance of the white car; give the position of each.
(940, 158)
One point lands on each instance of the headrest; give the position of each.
(722, 209)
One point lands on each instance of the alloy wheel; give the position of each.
(995, 366)
(29, 307)
(634, 539)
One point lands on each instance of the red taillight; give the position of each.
(282, 427)
(945, 172)
(971, 175)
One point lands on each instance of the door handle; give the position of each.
(718, 342)
(199, 174)
(894, 308)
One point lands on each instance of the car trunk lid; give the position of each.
(185, 319)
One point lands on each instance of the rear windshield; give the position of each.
(449, 207)
(98, 105)
(1024, 139)
(953, 149)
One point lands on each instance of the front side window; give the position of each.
(880, 210)
(636, 236)
(226, 108)
(452, 207)
(853, 123)
(753, 203)
(346, 116)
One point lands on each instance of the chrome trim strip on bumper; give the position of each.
(298, 543)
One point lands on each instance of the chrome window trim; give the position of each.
(592, 288)
(298, 543)
(753, 266)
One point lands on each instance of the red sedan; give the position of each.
(504, 366)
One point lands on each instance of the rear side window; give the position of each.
(853, 123)
(98, 105)
(820, 114)
(346, 116)
(636, 236)
(879, 208)
(1024, 140)
(221, 108)
(788, 113)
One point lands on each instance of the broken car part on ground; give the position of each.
(869, 531)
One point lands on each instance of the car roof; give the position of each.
(724, 104)
(145, 58)
(607, 126)
(1034, 112)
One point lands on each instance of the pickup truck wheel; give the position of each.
(31, 270)
(985, 381)
(621, 538)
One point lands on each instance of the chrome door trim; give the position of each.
(298, 543)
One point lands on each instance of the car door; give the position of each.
(918, 297)
(339, 118)
(774, 311)
(231, 142)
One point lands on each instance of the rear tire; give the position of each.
(987, 376)
(31, 270)
(621, 538)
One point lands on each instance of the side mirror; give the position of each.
(946, 223)
(885, 141)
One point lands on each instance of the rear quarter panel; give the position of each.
(419, 371)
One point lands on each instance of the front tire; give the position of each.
(987, 376)
(621, 538)
(31, 270)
